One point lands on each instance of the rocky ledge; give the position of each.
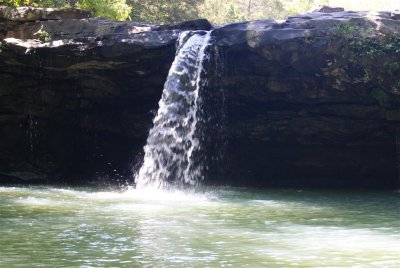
(312, 101)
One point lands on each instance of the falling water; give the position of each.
(172, 142)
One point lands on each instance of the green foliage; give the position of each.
(380, 96)
(72, 3)
(112, 9)
(216, 11)
(163, 11)
(351, 31)
(39, 3)
(261, 9)
(366, 42)
(346, 31)
(378, 46)
(14, 3)
(49, 3)
(220, 12)
(43, 36)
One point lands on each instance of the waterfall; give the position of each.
(172, 142)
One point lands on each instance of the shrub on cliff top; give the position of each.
(111, 9)
(14, 3)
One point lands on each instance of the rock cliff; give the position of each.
(309, 101)
(313, 100)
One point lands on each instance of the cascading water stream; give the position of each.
(172, 142)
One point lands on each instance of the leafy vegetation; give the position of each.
(353, 32)
(43, 36)
(49, 3)
(14, 3)
(378, 46)
(365, 42)
(112, 9)
(220, 12)
(380, 96)
(216, 11)
(162, 11)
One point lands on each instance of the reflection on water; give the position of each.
(219, 227)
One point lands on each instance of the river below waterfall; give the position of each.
(212, 227)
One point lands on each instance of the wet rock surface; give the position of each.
(309, 101)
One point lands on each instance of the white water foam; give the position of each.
(173, 142)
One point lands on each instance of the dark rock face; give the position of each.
(310, 101)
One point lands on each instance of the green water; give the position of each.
(221, 227)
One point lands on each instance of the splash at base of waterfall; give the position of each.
(173, 141)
